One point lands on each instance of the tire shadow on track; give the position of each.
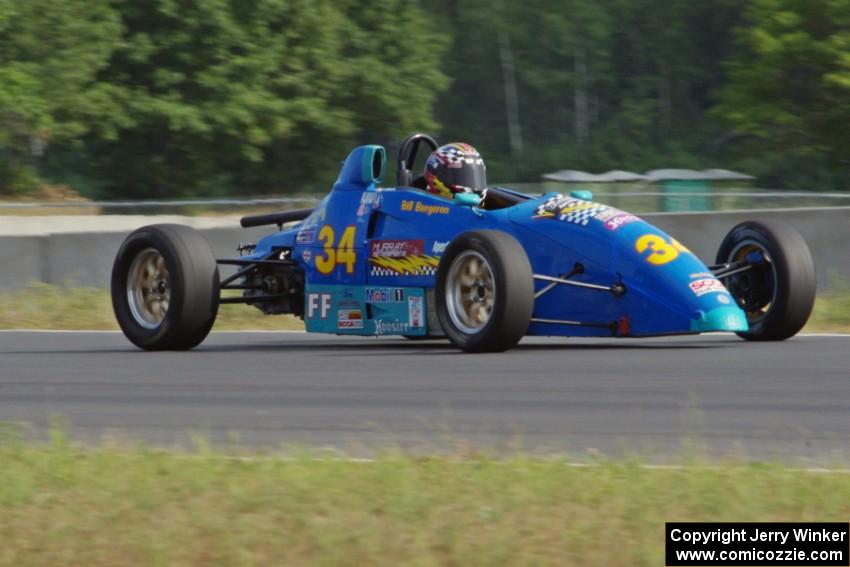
(369, 347)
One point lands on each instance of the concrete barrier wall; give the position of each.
(83, 250)
(80, 250)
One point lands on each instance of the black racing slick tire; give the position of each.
(778, 293)
(165, 287)
(485, 291)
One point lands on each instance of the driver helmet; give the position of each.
(455, 168)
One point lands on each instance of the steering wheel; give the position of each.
(407, 157)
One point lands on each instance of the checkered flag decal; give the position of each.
(404, 266)
(378, 271)
(571, 210)
(582, 216)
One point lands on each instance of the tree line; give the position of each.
(172, 98)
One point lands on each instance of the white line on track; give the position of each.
(75, 331)
(83, 331)
(570, 464)
(824, 335)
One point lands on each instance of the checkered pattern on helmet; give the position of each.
(455, 154)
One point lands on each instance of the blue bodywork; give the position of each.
(370, 258)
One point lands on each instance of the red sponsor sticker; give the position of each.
(396, 248)
(701, 287)
(349, 319)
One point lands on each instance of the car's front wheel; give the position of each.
(777, 292)
(485, 291)
(165, 287)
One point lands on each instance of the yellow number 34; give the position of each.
(660, 251)
(343, 254)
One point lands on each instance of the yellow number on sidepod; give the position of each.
(327, 262)
(661, 251)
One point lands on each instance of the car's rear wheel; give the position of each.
(778, 291)
(485, 291)
(165, 287)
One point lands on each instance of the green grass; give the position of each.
(832, 312)
(113, 506)
(42, 306)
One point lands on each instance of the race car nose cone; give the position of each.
(728, 319)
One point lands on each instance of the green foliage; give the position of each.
(261, 95)
(50, 54)
(17, 179)
(171, 98)
(214, 97)
(608, 84)
(789, 83)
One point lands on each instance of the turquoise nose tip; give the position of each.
(729, 318)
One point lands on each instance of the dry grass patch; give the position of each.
(106, 507)
(42, 306)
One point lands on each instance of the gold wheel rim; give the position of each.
(740, 253)
(149, 288)
(471, 292)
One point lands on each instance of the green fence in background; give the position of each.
(684, 195)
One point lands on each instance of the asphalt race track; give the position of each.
(786, 400)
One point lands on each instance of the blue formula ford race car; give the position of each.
(481, 269)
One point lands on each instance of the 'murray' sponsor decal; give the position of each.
(401, 258)
(396, 248)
